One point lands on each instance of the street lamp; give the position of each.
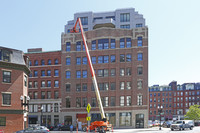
(41, 114)
(25, 102)
(160, 111)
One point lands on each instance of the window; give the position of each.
(43, 73)
(84, 60)
(35, 73)
(112, 101)
(128, 42)
(68, 103)
(78, 46)
(93, 102)
(122, 71)
(112, 72)
(55, 107)
(48, 83)
(125, 17)
(68, 87)
(43, 95)
(42, 83)
(105, 59)
(30, 63)
(49, 61)
(103, 44)
(35, 84)
(112, 58)
(139, 25)
(48, 72)
(56, 94)
(105, 101)
(100, 46)
(68, 74)
(35, 95)
(113, 86)
(78, 74)
(78, 87)
(93, 59)
(36, 63)
(83, 46)
(84, 73)
(100, 59)
(128, 71)
(105, 86)
(126, 26)
(84, 102)
(68, 61)
(48, 94)
(68, 46)
(112, 44)
(139, 41)
(105, 72)
(139, 100)
(128, 100)
(122, 43)
(139, 84)
(84, 87)
(56, 72)
(122, 58)
(56, 62)
(121, 101)
(100, 73)
(121, 85)
(56, 83)
(6, 77)
(30, 85)
(128, 85)
(78, 102)
(2, 121)
(25, 81)
(140, 70)
(128, 58)
(78, 61)
(84, 20)
(94, 45)
(42, 62)
(6, 98)
(140, 56)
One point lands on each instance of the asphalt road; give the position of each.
(145, 130)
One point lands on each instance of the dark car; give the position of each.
(38, 129)
(66, 128)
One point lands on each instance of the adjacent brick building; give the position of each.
(120, 60)
(14, 72)
(44, 86)
(175, 99)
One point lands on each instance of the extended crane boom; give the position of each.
(91, 67)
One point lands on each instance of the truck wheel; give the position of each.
(103, 130)
(180, 129)
(190, 128)
(172, 129)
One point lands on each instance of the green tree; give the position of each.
(193, 113)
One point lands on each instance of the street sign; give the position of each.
(88, 108)
(88, 118)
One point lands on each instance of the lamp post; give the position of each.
(25, 102)
(160, 111)
(41, 114)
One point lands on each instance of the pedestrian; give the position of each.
(71, 129)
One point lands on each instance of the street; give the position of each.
(146, 130)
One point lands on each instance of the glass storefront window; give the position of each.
(125, 119)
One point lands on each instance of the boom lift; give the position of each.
(103, 125)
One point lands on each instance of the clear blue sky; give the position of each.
(174, 26)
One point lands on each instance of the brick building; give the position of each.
(120, 60)
(14, 71)
(175, 99)
(44, 86)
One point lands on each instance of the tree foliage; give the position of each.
(193, 113)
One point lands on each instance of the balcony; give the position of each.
(98, 23)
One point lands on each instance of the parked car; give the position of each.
(181, 125)
(150, 123)
(167, 124)
(66, 128)
(38, 129)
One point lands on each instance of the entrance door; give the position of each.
(139, 121)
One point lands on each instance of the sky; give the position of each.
(174, 27)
